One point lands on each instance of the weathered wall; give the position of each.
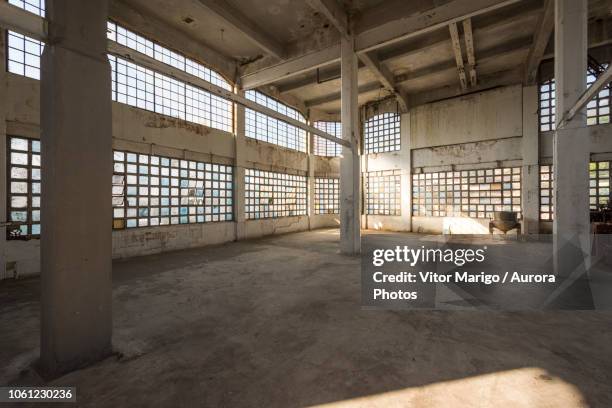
(146, 132)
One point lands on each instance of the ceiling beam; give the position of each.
(468, 37)
(336, 96)
(339, 18)
(544, 30)
(334, 13)
(240, 22)
(529, 16)
(17, 19)
(486, 56)
(456, 45)
(454, 11)
(384, 34)
(384, 76)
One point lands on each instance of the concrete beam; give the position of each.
(384, 76)
(399, 29)
(516, 46)
(336, 96)
(76, 239)
(588, 95)
(456, 45)
(544, 30)
(385, 34)
(334, 12)
(240, 22)
(350, 173)
(468, 38)
(17, 19)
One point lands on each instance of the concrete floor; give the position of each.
(277, 323)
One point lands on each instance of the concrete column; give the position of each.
(530, 191)
(76, 140)
(239, 172)
(311, 178)
(350, 175)
(571, 143)
(3, 160)
(406, 181)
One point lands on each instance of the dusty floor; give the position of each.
(277, 323)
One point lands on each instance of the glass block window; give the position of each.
(272, 195)
(33, 6)
(546, 193)
(327, 196)
(324, 147)
(265, 128)
(130, 39)
(383, 192)
(23, 55)
(599, 184)
(146, 89)
(598, 109)
(151, 190)
(467, 193)
(547, 106)
(23, 188)
(382, 133)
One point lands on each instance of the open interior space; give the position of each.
(276, 322)
(287, 203)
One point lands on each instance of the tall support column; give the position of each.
(239, 175)
(530, 194)
(76, 225)
(3, 159)
(406, 179)
(571, 143)
(350, 175)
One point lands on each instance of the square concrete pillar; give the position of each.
(530, 146)
(571, 226)
(76, 224)
(350, 174)
(239, 171)
(3, 159)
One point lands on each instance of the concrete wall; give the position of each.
(146, 132)
(481, 130)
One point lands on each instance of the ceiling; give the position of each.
(267, 38)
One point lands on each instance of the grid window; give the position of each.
(272, 195)
(23, 188)
(153, 190)
(382, 133)
(471, 193)
(132, 84)
(383, 192)
(599, 184)
(324, 147)
(146, 89)
(33, 6)
(139, 43)
(265, 128)
(546, 193)
(600, 180)
(598, 109)
(547, 106)
(23, 55)
(327, 196)
(169, 96)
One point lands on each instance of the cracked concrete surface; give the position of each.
(276, 322)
